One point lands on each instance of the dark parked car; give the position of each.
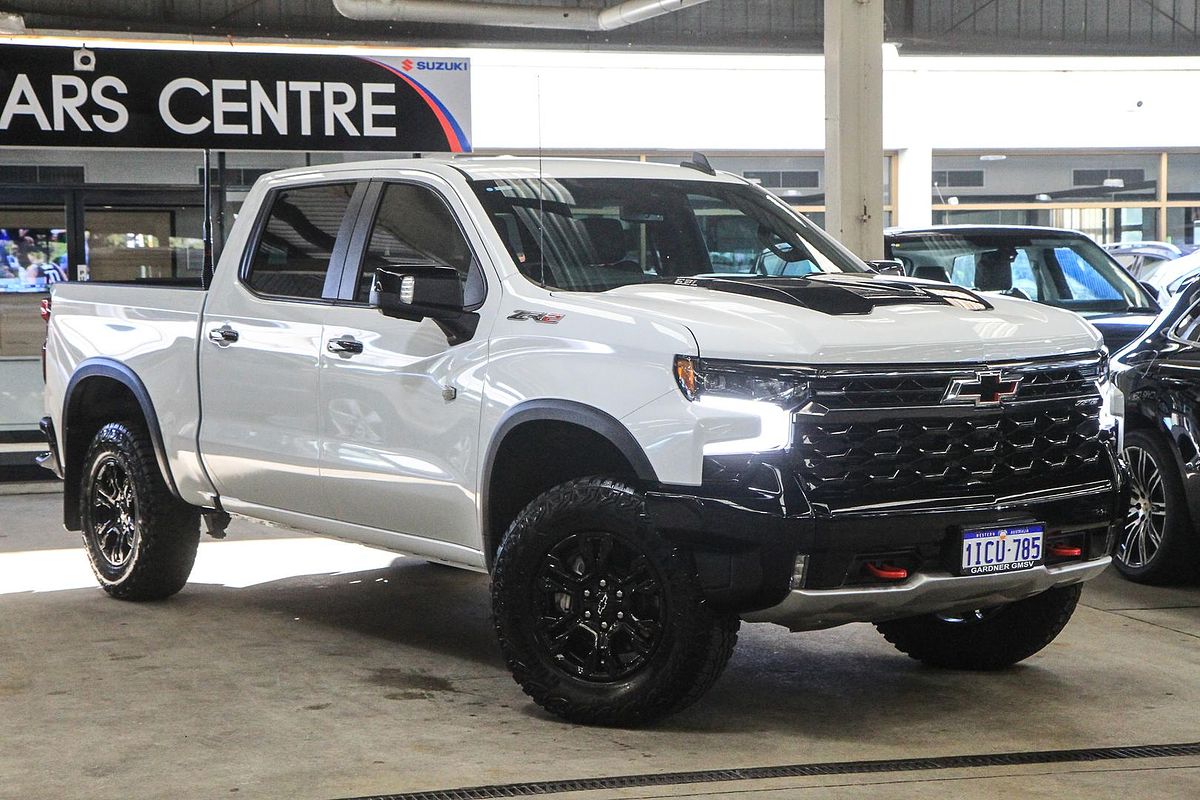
(1160, 378)
(1059, 268)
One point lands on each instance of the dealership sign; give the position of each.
(66, 97)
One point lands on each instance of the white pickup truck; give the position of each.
(649, 400)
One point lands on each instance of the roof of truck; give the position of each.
(516, 168)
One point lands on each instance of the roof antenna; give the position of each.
(700, 163)
(541, 188)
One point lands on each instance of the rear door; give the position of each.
(260, 349)
(399, 405)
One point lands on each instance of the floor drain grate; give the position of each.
(800, 770)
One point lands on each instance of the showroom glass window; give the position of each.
(1110, 197)
(298, 239)
(414, 227)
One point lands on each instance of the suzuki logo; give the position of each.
(407, 64)
(985, 389)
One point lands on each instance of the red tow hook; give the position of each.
(887, 572)
(1065, 551)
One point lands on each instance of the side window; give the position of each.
(413, 226)
(293, 252)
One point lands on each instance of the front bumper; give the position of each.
(806, 610)
(746, 545)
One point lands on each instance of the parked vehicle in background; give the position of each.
(1169, 277)
(1160, 379)
(567, 374)
(1051, 266)
(1140, 257)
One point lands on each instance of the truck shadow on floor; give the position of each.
(824, 685)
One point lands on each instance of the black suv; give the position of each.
(1056, 267)
(1160, 378)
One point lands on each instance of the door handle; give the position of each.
(223, 335)
(344, 346)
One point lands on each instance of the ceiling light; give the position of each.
(1114, 183)
(952, 201)
(993, 157)
(1042, 197)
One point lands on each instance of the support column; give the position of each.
(914, 197)
(854, 124)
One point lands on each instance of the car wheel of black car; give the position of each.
(985, 639)
(140, 539)
(600, 619)
(1158, 544)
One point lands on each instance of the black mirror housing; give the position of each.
(424, 291)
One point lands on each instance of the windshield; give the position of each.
(595, 234)
(1070, 272)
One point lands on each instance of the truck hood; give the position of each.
(853, 319)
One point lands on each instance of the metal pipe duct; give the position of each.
(457, 12)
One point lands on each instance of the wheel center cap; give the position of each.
(602, 604)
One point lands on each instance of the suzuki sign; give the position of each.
(52, 97)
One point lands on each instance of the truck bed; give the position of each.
(150, 330)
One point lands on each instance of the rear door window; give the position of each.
(298, 240)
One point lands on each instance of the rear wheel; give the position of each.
(601, 620)
(987, 638)
(1158, 544)
(140, 539)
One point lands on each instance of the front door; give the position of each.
(260, 351)
(399, 405)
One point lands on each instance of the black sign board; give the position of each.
(52, 96)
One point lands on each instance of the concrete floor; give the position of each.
(299, 668)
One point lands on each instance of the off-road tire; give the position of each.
(693, 642)
(1177, 556)
(162, 531)
(993, 639)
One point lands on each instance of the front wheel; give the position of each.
(140, 539)
(1158, 544)
(600, 619)
(985, 639)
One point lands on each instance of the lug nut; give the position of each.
(587, 615)
(604, 626)
(620, 615)
(587, 593)
(603, 584)
(620, 594)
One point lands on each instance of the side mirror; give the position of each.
(887, 266)
(425, 291)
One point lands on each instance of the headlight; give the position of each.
(699, 377)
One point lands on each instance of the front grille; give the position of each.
(870, 438)
(845, 390)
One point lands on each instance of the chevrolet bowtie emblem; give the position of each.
(985, 389)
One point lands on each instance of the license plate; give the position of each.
(986, 551)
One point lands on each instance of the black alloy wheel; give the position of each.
(602, 606)
(113, 531)
(140, 538)
(601, 619)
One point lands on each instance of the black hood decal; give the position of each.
(843, 293)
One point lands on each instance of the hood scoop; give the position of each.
(843, 293)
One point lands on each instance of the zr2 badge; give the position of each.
(536, 316)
